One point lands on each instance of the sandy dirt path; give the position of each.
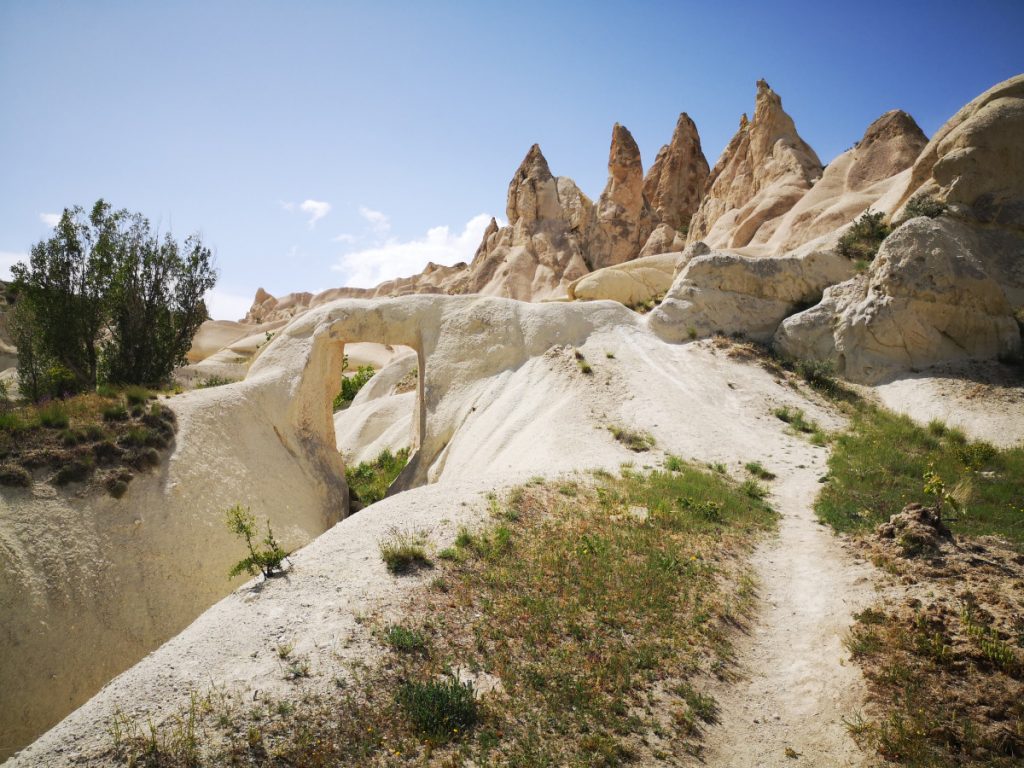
(796, 680)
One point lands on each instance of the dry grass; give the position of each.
(591, 617)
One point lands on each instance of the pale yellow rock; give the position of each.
(663, 239)
(765, 169)
(728, 293)
(631, 283)
(975, 161)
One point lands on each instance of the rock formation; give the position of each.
(765, 169)
(631, 283)
(856, 180)
(674, 186)
(728, 293)
(927, 299)
(623, 219)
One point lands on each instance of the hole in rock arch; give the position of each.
(376, 416)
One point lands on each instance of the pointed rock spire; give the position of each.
(624, 219)
(675, 184)
(763, 172)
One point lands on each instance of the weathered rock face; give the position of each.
(664, 239)
(624, 219)
(675, 183)
(975, 162)
(728, 293)
(927, 299)
(542, 248)
(856, 180)
(763, 172)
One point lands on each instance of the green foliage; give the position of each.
(404, 551)
(136, 395)
(635, 440)
(104, 296)
(75, 471)
(757, 470)
(405, 640)
(440, 710)
(266, 560)
(350, 385)
(369, 482)
(53, 416)
(876, 468)
(11, 422)
(214, 381)
(673, 463)
(820, 374)
(864, 237)
(923, 204)
(115, 413)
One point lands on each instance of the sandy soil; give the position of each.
(797, 682)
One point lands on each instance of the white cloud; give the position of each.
(7, 260)
(344, 237)
(380, 223)
(227, 306)
(50, 219)
(316, 209)
(395, 258)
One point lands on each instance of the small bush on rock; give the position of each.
(922, 204)
(863, 239)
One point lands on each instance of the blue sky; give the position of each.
(323, 144)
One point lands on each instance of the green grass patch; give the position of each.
(368, 482)
(633, 439)
(877, 467)
(757, 469)
(404, 551)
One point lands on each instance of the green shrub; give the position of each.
(114, 413)
(76, 471)
(863, 239)
(72, 437)
(635, 440)
(146, 458)
(109, 391)
(53, 416)
(368, 482)
(753, 489)
(137, 395)
(439, 710)
(11, 422)
(13, 475)
(757, 470)
(820, 374)
(106, 452)
(350, 385)
(674, 463)
(266, 560)
(93, 432)
(214, 381)
(923, 204)
(116, 487)
(405, 640)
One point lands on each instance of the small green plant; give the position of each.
(214, 380)
(923, 204)
(350, 385)
(266, 560)
(864, 237)
(609, 355)
(440, 710)
(753, 489)
(284, 650)
(691, 333)
(75, 471)
(368, 482)
(115, 413)
(796, 418)
(757, 470)
(11, 422)
(635, 440)
(405, 640)
(404, 551)
(53, 416)
(820, 374)
(673, 463)
(137, 395)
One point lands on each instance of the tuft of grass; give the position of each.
(609, 355)
(758, 470)
(404, 551)
(214, 381)
(137, 395)
(440, 710)
(922, 204)
(877, 467)
(15, 476)
(673, 463)
(53, 416)
(405, 640)
(115, 413)
(368, 482)
(75, 471)
(796, 419)
(753, 489)
(635, 440)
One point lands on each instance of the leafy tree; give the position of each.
(106, 298)
(266, 560)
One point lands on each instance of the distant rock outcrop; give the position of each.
(674, 186)
(624, 219)
(765, 169)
